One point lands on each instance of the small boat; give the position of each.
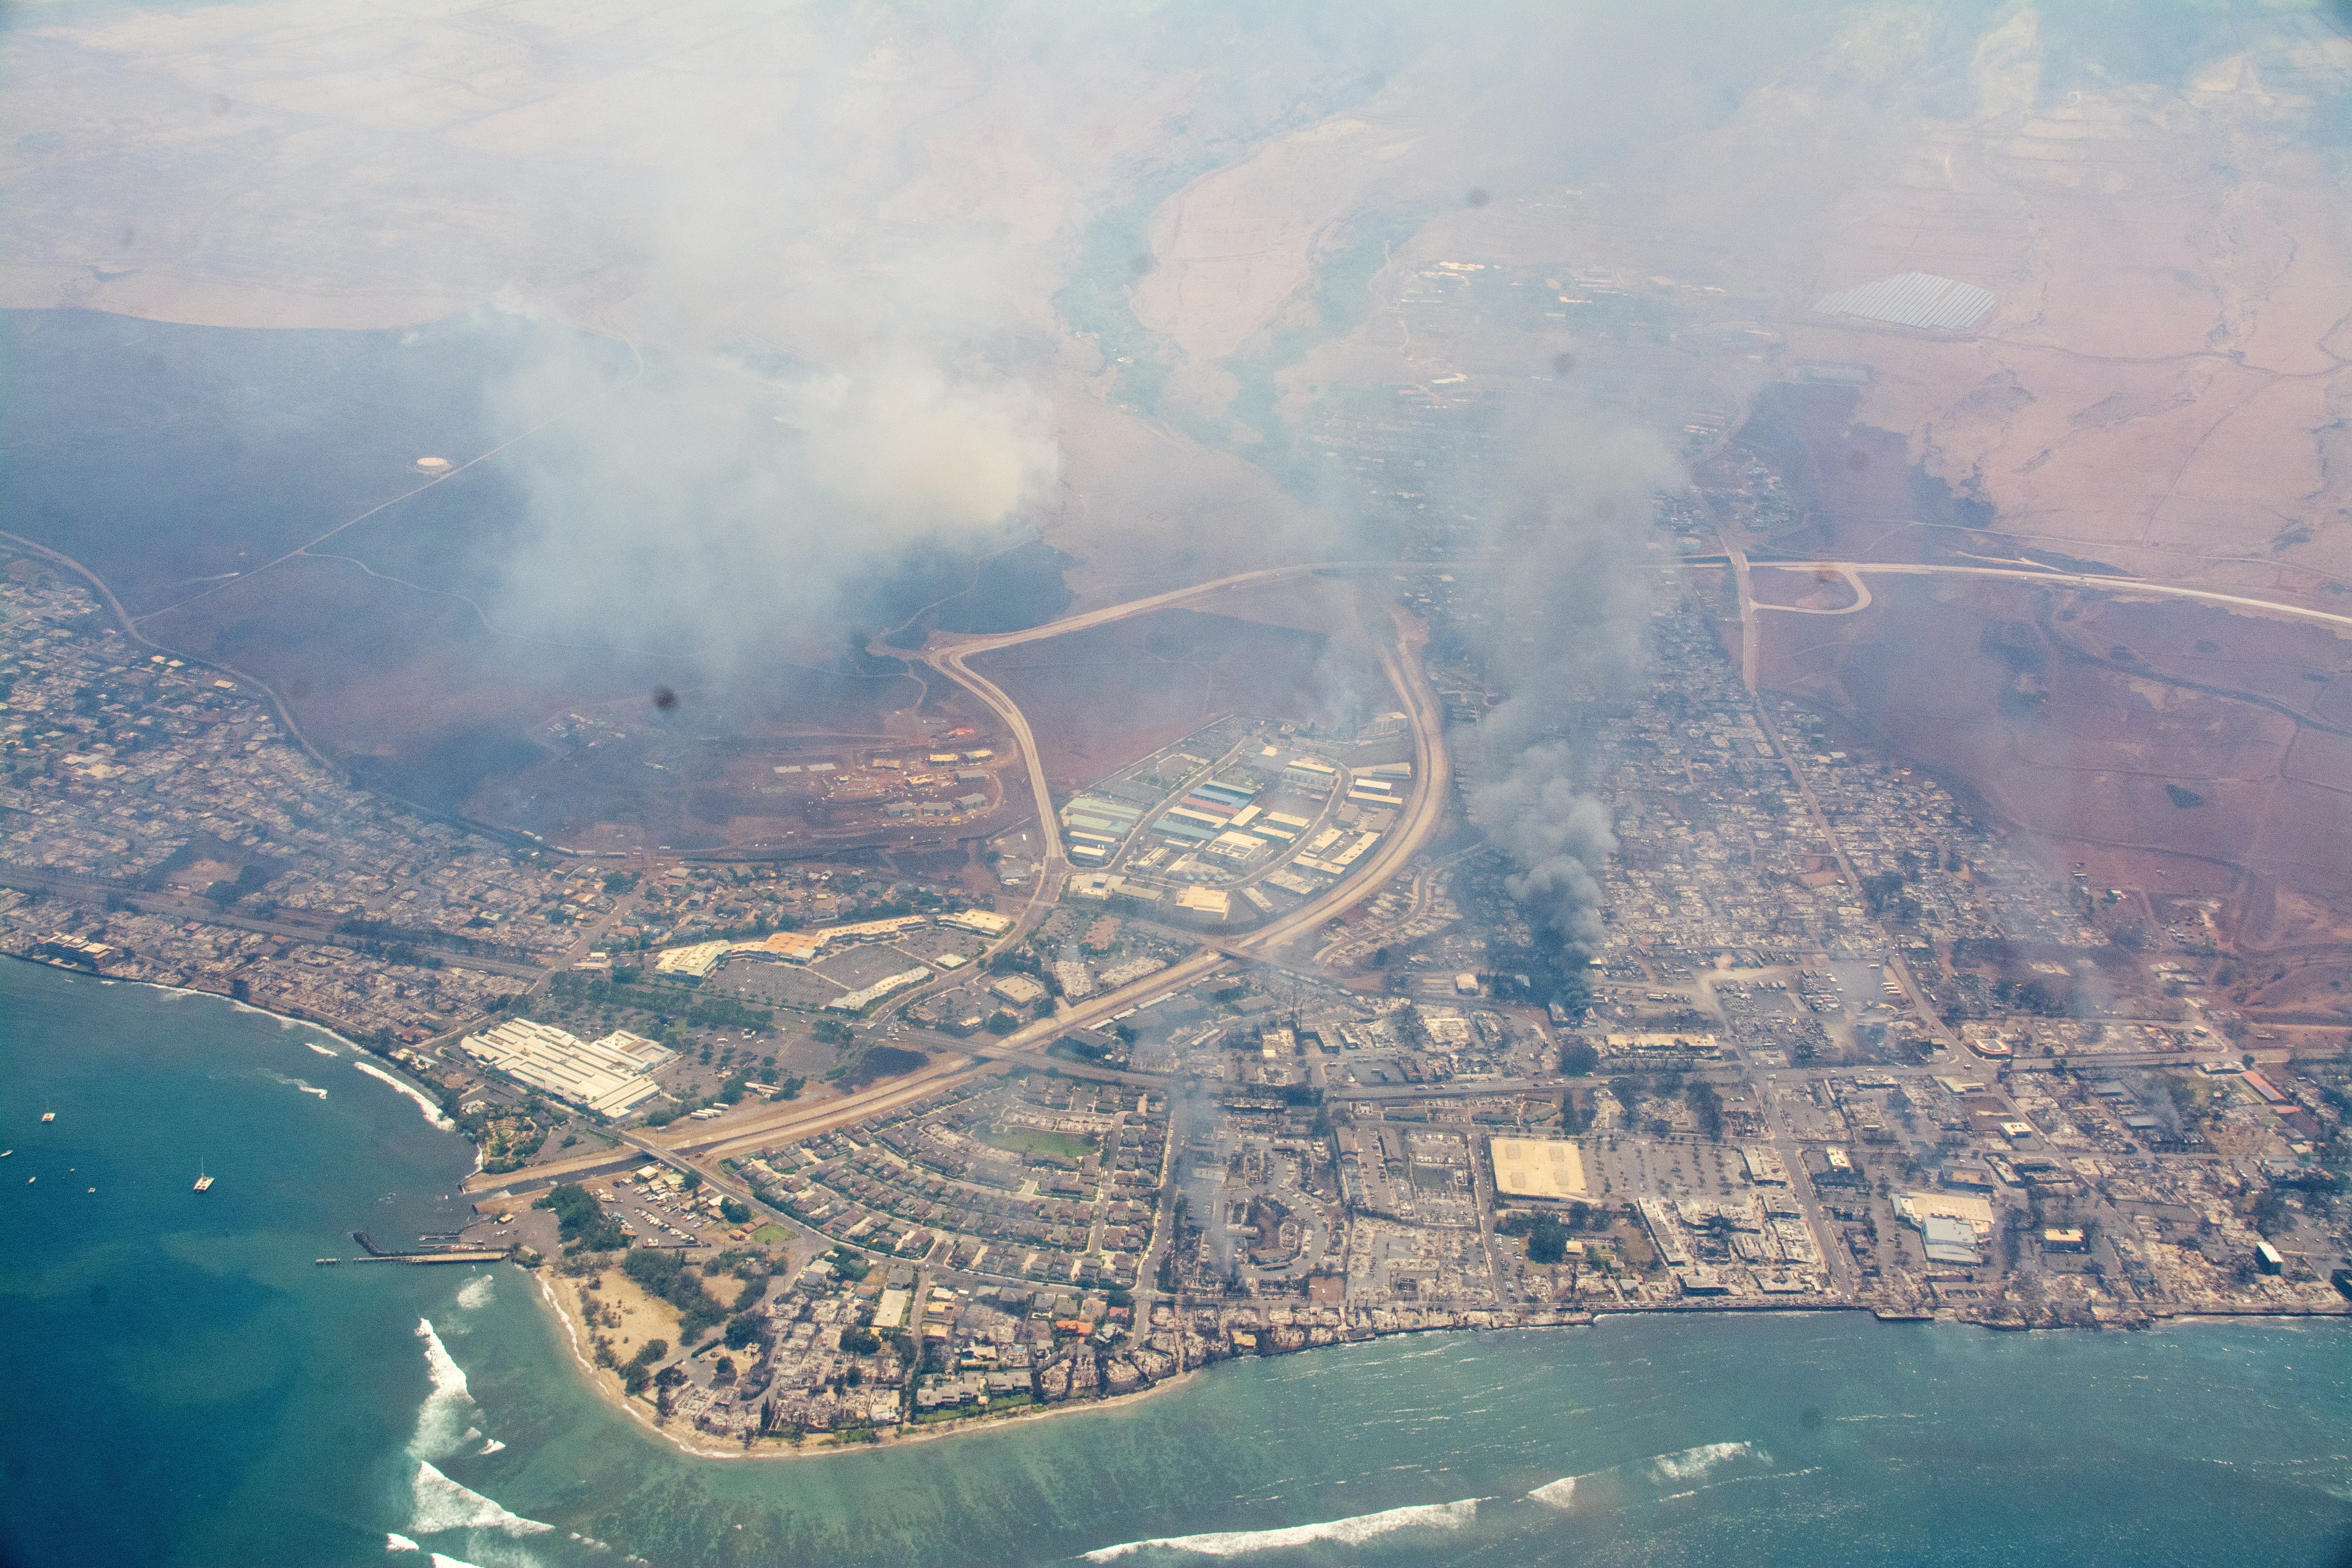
(204, 1182)
(48, 1116)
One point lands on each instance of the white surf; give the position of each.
(1692, 1463)
(441, 1504)
(443, 1421)
(1347, 1531)
(424, 1103)
(1682, 1465)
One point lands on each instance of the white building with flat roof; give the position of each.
(694, 961)
(611, 1075)
(1312, 775)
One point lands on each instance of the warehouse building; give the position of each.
(609, 1076)
(1311, 774)
(1237, 846)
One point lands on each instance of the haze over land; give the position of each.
(1009, 701)
(774, 320)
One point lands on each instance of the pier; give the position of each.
(375, 1254)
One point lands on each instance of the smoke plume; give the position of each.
(1571, 624)
(713, 507)
(1556, 837)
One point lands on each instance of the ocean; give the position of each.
(188, 1387)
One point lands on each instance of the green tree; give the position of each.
(1578, 1060)
(1547, 1240)
(581, 1221)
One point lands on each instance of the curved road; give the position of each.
(1853, 572)
(1423, 810)
(1852, 580)
(947, 655)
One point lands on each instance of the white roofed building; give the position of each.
(611, 1075)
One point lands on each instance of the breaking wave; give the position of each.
(323, 1051)
(443, 1504)
(443, 1420)
(394, 1542)
(1664, 1469)
(424, 1101)
(296, 1083)
(1692, 1463)
(1559, 1494)
(478, 1293)
(1350, 1531)
(441, 1560)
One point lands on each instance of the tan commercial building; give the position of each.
(1547, 1168)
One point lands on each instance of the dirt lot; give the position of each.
(1098, 700)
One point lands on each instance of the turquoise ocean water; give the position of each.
(187, 1387)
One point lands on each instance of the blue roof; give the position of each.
(1227, 794)
(1182, 829)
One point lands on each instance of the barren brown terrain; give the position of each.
(1100, 698)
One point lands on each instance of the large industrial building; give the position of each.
(1093, 827)
(610, 1075)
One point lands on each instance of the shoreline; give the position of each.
(381, 1067)
(607, 1386)
(2137, 1317)
(169, 989)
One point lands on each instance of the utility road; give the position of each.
(2024, 571)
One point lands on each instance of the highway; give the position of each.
(1424, 809)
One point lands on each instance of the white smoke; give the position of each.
(707, 506)
(913, 451)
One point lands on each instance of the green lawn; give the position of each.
(770, 1234)
(1032, 1140)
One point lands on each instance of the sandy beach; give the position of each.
(683, 1438)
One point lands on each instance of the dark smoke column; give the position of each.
(1556, 840)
